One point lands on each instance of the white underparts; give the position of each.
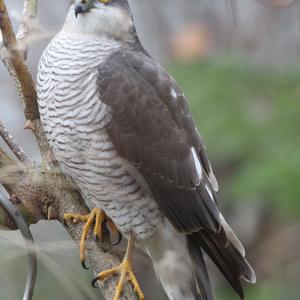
(172, 262)
(75, 122)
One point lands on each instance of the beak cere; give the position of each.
(78, 9)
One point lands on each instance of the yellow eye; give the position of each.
(104, 1)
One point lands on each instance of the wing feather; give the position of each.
(152, 127)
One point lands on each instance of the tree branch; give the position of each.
(13, 59)
(8, 168)
(40, 190)
(13, 145)
(28, 17)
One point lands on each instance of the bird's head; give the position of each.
(111, 18)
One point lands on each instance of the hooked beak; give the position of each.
(78, 9)
(82, 6)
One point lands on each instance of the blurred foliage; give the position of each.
(263, 292)
(250, 122)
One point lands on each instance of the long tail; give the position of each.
(180, 266)
(226, 251)
(204, 291)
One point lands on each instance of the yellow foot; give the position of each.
(101, 220)
(126, 274)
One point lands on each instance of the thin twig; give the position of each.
(28, 16)
(13, 145)
(24, 229)
(233, 7)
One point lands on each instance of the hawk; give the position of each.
(121, 128)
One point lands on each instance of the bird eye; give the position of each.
(104, 1)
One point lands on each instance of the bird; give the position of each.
(121, 128)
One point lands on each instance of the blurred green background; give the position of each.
(250, 120)
(238, 66)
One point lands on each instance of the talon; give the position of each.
(120, 237)
(94, 283)
(84, 265)
(100, 228)
(126, 274)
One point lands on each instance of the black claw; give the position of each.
(94, 283)
(84, 265)
(96, 238)
(118, 240)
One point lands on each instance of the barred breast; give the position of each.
(75, 121)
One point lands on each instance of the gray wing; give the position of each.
(152, 128)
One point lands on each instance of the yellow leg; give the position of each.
(126, 273)
(97, 216)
